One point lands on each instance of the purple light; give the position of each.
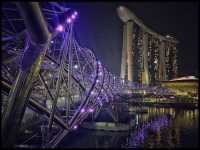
(82, 110)
(91, 110)
(52, 42)
(75, 13)
(75, 127)
(139, 136)
(75, 66)
(101, 104)
(69, 20)
(73, 16)
(60, 28)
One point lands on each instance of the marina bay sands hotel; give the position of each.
(147, 57)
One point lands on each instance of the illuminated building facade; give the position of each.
(147, 57)
(183, 86)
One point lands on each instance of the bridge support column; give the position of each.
(162, 67)
(29, 70)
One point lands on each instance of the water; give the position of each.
(159, 128)
(174, 128)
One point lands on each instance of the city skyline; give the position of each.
(61, 80)
(102, 31)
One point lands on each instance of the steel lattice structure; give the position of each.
(72, 82)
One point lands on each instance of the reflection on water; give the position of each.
(84, 138)
(141, 133)
(181, 129)
(160, 127)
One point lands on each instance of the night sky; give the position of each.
(99, 28)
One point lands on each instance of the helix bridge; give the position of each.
(71, 83)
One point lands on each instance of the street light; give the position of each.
(60, 28)
(69, 20)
